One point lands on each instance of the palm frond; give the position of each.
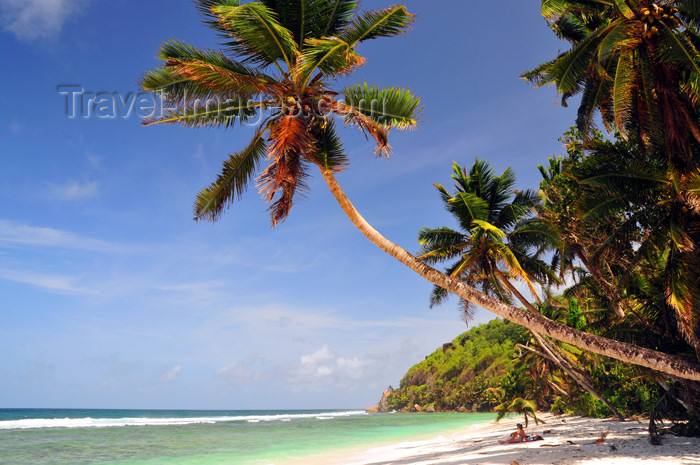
(623, 96)
(172, 86)
(379, 133)
(389, 107)
(289, 140)
(570, 68)
(593, 98)
(540, 76)
(212, 70)
(553, 9)
(388, 22)
(689, 13)
(622, 35)
(624, 9)
(313, 18)
(678, 48)
(328, 148)
(196, 113)
(336, 55)
(440, 244)
(257, 33)
(467, 207)
(236, 175)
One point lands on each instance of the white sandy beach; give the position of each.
(568, 440)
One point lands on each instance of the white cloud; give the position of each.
(301, 321)
(21, 234)
(73, 190)
(322, 370)
(37, 19)
(56, 283)
(171, 375)
(242, 372)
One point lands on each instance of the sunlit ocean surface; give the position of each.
(187, 437)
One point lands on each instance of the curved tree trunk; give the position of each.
(555, 356)
(629, 353)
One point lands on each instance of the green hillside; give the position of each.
(489, 367)
(463, 374)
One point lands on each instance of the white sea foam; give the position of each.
(89, 422)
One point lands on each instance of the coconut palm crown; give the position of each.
(277, 62)
(637, 62)
(491, 249)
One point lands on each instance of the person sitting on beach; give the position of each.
(516, 436)
(520, 436)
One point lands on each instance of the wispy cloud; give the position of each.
(73, 190)
(242, 372)
(171, 375)
(293, 319)
(22, 234)
(37, 19)
(55, 283)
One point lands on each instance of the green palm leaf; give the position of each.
(173, 86)
(236, 175)
(196, 114)
(622, 92)
(390, 107)
(468, 207)
(257, 33)
(380, 23)
(336, 55)
(624, 9)
(490, 229)
(569, 69)
(439, 244)
(328, 146)
(313, 18)
(621, 35)
(679, 48)
(212, 69)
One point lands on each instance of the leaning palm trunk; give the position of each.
(629, 353)
(554, 355)
(580, 378)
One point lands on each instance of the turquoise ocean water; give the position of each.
(175, 437)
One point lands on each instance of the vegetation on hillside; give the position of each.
(490, 365)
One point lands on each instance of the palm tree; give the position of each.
(484, 252)
(295, 105)
(634, 61)
(493, 248)
(518, 405)
(662, 218)
(300, 133)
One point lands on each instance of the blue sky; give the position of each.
(112, 297)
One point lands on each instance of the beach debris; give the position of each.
(601, 439)
(514, 463)
(548, 431)
(570, 442)
(612, 447)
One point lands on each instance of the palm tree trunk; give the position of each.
(559, 359)
(533, 321)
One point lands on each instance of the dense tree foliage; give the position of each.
(489, 366)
